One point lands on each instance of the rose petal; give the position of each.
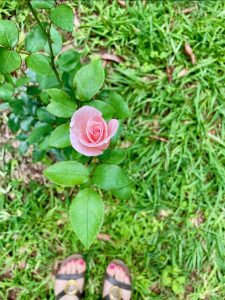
(81, 116)
(88, 151)
(95, 137)
(86, 142)
(113, 126)
(104, 146)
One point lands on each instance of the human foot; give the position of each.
(117, 283)
(69, 280)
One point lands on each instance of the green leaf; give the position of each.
(38, 154)
(56, 42)
(45, 116)
(61, 97)
(59, 110)
(17, 106)
(67, 173)
(115, 156)
(9, 34)
(68, 60)
(87, 215)
(107, 111)
(22, 81)
(13, 123)
(61, 104)
(47, 4)
(35, 39)
(10, 61)
(6, 91)
(123, 193)
(46, 82)
(117, 102)
(62, 16)
(44, 144)
(38, 133)
(107, 176)
(26, 123)
(39, 63)
(60, 138)
(89, 79)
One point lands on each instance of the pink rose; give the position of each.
(89, 133)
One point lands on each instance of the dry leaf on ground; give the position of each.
(122, 3)
(188, 50)
(183, 72)
(104, 237)
(169, 71)
(112, 57)
(189, 10)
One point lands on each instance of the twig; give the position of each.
(47, 34)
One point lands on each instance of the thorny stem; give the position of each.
(47, 34)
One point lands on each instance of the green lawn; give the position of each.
(171, 232)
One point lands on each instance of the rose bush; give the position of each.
(89, 133)
(60, 107)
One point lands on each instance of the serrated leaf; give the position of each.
(114, 156)
(38, 133)
(107, 111)
(39, 63)
(9, 34)
(44, 116)
(62, 16)
(26, 123)
(67, 173)
(116, 102)
(10, 61)
(46, 4)
(6, 91)
(89, 79)
(61, 103)
(60, 137)
(109, 176)
(59, 110)
(35, 39)
(87, 215)
(68, 60)
(56, 42)
(123, 193)
(46, 81)
(13, 123)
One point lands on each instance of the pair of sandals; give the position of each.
(71, 287)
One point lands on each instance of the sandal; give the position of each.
(71, 287)
(115, 292)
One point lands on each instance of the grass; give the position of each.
(171, 233)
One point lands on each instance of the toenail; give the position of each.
(81, 262)
(112, 266)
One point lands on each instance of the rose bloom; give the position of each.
(89, 133)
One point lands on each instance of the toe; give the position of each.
(81, 265)
(111, 269)
(68, 267)
(117, 272)
(61, 270)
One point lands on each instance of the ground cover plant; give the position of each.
(170, 69)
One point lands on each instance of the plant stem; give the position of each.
(47, 34)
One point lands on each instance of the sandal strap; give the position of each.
(62, 294)
(70, 276)
(114, 281)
